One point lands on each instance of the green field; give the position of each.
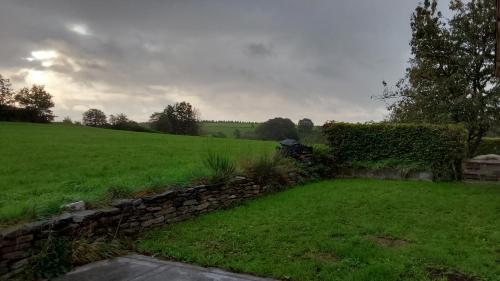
(44, 166)
(348, 230)
(228, 129)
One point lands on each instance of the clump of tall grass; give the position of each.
(271, 169)
(221, 167)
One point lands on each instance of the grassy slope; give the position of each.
(44, 166)
(226, 128)
(323, 231)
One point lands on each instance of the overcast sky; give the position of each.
(233, 60)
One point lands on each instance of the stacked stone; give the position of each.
(123, 217)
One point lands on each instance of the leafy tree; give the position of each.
(305, 126)
(36, 100)
(451, 74)
(277, 129)
(94, 118)
(180, 118)
(67, 120)
(118, 120)
(6, 92)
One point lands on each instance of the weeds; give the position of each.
(270, 169)
(221, 167)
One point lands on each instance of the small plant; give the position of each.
(221, 167)
(116, 192)
(85, 251)
(53, 260)
(270, 169)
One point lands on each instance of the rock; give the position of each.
(74, 207)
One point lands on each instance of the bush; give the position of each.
(439, 148)
(221, 167)
(272, 169)
(277, 129)
(489, 146)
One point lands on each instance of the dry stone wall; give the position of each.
(125, 216)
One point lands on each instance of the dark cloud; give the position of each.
(248, 60)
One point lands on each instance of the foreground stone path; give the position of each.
(143, 268)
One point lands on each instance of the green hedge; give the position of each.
(440, 149)
(489, 146)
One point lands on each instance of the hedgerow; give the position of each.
(489, 146)
(439, 148)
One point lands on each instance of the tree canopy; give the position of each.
(277, 129)
(450, 78)
(180, 118)
(94, 118)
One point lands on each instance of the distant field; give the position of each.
(43, 166)
(363, 230)
(228, 129)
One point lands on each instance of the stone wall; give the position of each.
(125, 216)
(386, 174)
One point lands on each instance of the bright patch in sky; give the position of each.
(79, 29)
(43, 55)
(36, 76)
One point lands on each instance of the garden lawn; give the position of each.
(347, 230)
(46, 165)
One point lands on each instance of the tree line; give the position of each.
(25, 105)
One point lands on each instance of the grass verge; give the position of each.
(348, 230)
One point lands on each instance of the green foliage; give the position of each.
(53, 260)
(27, 105)
(6, 92)
(325, 231)
(440, 148)
(451, 74)
(305, 126)
(243, 130)
(94, 118)
(62, 164)
(277, 129)
(121, 122)
(489, 146)
(67, 121)
(270, 169)
(59, 254)
(221, 167)
(84, 251)
(180, 119)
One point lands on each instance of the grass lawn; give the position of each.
(44, 166)
(227, 129)
(347, 230)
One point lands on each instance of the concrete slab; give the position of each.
(144, 268)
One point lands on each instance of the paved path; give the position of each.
(143, 268)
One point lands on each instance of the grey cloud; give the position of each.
(259, 50)
(248, 60)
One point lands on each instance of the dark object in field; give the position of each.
(293, 149)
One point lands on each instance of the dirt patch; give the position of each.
(449, 275)
(320, 256)
(389, 242)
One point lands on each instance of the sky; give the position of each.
(232, 59)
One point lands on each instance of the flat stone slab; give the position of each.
(143, 268)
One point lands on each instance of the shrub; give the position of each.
(53, 260)
(272, 169)
(439, 148)
(277, 129)
(84, 251)
(59, 254)
(221, 167)
(489, 146)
